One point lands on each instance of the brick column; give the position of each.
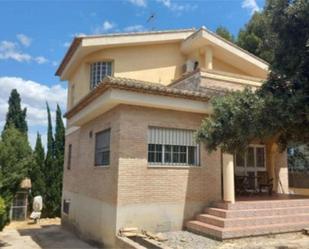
(228, 178)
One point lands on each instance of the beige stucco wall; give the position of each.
(277, 168)
(226, 67)
(160, 63)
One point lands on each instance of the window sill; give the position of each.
(101, 166)
(167, 166)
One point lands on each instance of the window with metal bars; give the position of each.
(172, 147)
(102, 148)
(98, 71)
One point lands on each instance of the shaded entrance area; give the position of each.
(246, 208)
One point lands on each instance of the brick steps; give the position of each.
(238, 232)
(263, 204)
(252, 221)
(250, 218)
(224, 213)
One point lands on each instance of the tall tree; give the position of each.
(50, 138)
(15, 161)
(59, 134)
(258, 36)
(37, 169)
(16, 116)
(225, 33)
(49, 172)
(279, 111)
(59, 157)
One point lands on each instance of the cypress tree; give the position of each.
(59, 135)
(59, 158)
(37, 170)
(16, 116)
(50, 138)
(49, 172)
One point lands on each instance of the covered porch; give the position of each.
(260, 171)
(253, 212)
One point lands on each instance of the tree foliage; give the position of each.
(257, 36)
(15, 161)
(16, 116)
(54, 165)
(279, 111)
(2, 213)
(59, 158)
(225, 33)
(36, 172)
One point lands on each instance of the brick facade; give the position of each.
(130, 192)
(129, 184)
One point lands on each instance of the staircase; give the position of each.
(251, 218)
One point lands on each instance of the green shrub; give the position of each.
(2, 213)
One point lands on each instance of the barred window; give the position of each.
(172, 146)
(66, 206)
(102, 148)
(98, 71)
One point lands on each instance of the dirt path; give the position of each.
(187, 240)
(46, 235)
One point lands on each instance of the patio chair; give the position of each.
(243, 185)
(265, 183)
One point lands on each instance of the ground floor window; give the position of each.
(102, 148)
(66, 206)
(172, 146)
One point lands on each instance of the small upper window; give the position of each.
(102, 148)
(98, 71)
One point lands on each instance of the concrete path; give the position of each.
(46, 235)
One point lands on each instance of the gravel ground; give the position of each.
(187, 240)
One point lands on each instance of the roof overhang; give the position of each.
(113, 97)
(223, 50)
(82, 46)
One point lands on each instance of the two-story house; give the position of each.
(134, 103)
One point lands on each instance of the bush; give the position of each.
(2, 213)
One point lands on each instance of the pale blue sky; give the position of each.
(34, 36)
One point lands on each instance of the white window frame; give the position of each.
(197, 152)
(96, 71)
(244, 170)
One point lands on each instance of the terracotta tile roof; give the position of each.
(142, 87)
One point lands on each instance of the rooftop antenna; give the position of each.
(151, 19)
